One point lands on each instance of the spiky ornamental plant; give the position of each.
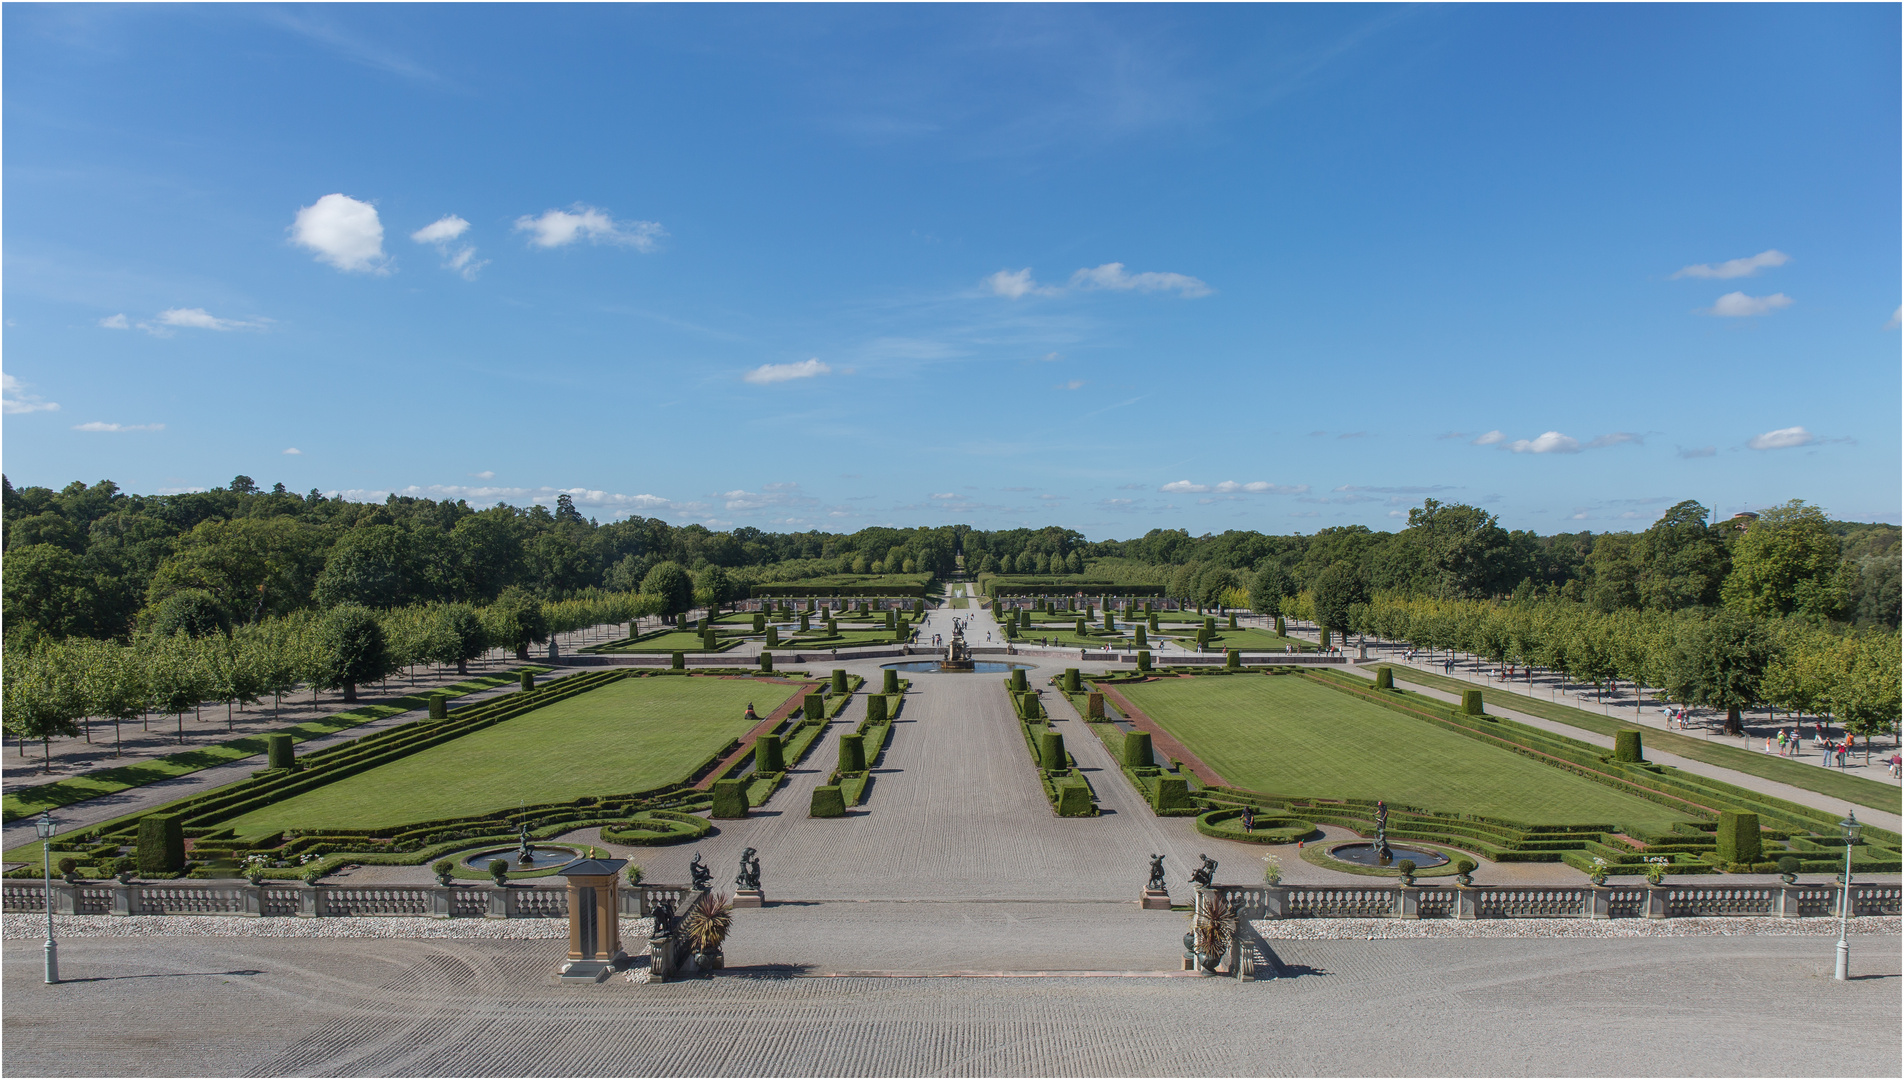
(709, 921)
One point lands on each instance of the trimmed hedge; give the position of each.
(769, 755)
(1384, 678)
(526, 681)
(876, 709)
(730, 799)
(161, 846)
(1626, 746)
(1227, 824)
(1738, 836)
(1074, 798)
(1137, 751)
(839, 680)
(655, 827)
(1094, 706)
(852, 753)
(1051, 754)
(813, 708)
(1173, 793)
(890, 683)
(827, 802)
(280, 755)
(439, 708)
(1471, 702)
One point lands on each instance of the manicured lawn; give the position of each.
(1285, 735)
(1255, 640)
(1804, 773)
(630, 735)
(818, 639)
(673, 641)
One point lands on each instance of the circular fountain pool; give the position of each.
(932, 667)
(1366, 855)
(546, 857)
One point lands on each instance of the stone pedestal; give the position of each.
(587, 971)
(1467, 902)
(749, 898)
(1656, 901)
(1156, 900)
(1407, 902)
(1597, 905)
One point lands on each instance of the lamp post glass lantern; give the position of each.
(46, 829)
(1851, 829)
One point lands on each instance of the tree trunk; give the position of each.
(522, 651)
(462, 666)
(46, 747)
(1732, 724)
(350, 693)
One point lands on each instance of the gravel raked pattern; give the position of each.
(1736, 926)
(634, 932)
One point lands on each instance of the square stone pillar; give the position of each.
(1467, 902)
(65, 898)
(125, 898)
(1785, 904)
(1407, 902)
(499, 904)
(1154, 900)
(1275, 901)
(440, 902)
(308, 902)
(254, 900)
(1656, 901)
(1597, 904)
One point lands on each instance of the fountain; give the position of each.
(1379, 853)
(958, 656)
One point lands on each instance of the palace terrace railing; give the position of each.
(1566, 902)
(298, 900)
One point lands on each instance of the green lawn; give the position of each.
(1254, 640)
(673, 641)
(1803, 774)
(818, 639)
(1286, 735)
(630, 735)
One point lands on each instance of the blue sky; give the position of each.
(1116, 268)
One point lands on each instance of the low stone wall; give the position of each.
(298, 900)
(1580, 902)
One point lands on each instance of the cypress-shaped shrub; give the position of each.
(813, 707)
(1471, 702)
(730, 799)
(1203, 637)
(1280, 628)
(1018, 679)
(1141, 640)
(1094, 706)
(876, 709)
(760, 621)
(892, 619)
(805, 625)
(769, 755)
(1074, 798)
(832, 627)
(1028, 704)
(1739, 840)
(161, 846)
(1325, 637)
(890, 683)
(766, 661)
(827, 802)
(852, 753)
(1384, 678)
(773, 636)
(1110, 620)
(279, 754)
(525, 680)
(1209, 623)
(1153, 622)
(1143, 661)
(1137, 749)
(1080, 629)
(1051, 750)
(1070, 680)
(1233, 625)
(1173, 793)
(677, 660)
(439, 708)
(1626, 746)
(839, 680)
(1232, 660)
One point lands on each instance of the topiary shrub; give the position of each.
(678, 660)
(813, 707)
(876, 709)
(1094, 706)
(1739, 840)
(161, 846)
(1325, 638)
(1788, 868)
(1018, 682)
(499, 872)
(1384, 678)
(1173, 793)
(839, 680)
(1140, 640)
(852, 753)
(1074, 799)
(1143, 661)
(805, 624)
(67, 866)
(1232, 660)
(525, 680)
(1028, 705)
(1233, 625)
(1137, 752)
(760, 621)
(827, 802)
(1280, 628)
(439, 708)
(280, 755)
(892, 619)
(1080, 628)
(1626, 746)
(730, 799)
(1070, 680)
(1464, 870)
(773, 636)
(769, 755)
(766, 661)
(1051, 751)
(1471, 702)
(1209, 623)
(890, 683)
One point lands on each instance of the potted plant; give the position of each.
(634, 874)
(707, 924)
(1788, 869)
(125, 868)
(1598, 876)
(442, 870)
(254, 869)
(1212, 926)
(1464, 870)
(499, 872)
(1272, 870)
(1656, 869)
(69, 869)
(1407, 867)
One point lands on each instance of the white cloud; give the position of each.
(199, 319)
(344, 232)
(1782, 439)
(1490, 438)
(293, 451)
(1732, 268)
(942, 495)
(1013, 284)
(1552, 442)
(101, 425)
(1229, 487)
(1074, 384)
(558, 228)
(1113, 276)
(116, 322)
(1690, 452)
(460, 259)
(777, 373)
(1617, 438)
(1897, 319)
(1736, 304)
(15, 399)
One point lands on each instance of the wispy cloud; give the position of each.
(1074, 384)
(1734, 268)
(1228, 487)
(292, 450)
(1736, 305)
(1014, 284)
(1782, 439)
(200, 319)
(1554, 442)
(1490, 438)
(116, 322)
(344, 232)
(1897, 319)
(1113, 276)
(101, 425)
(559, 228)
(486, 474)
(442, 234)
(767, 374)
(1690, 452)
(15, 399)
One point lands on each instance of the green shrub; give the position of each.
(525, 680)
(730, 799)
(805, 624)
(1137, 750)
(67, 866)
(1788, 865)
(889, 684)
(1233, 625)
(1028, 705)
(1081, 629)
(773, 636)
(1471, 702)
(1626, 746)
(1173, 793)
(769, 755)
(1110, 620)
(813, 707)
(1738, 835)
(710, 641)
(678, 660)
(1094, 706)
(1070, 680)
(1209, 623)
(1325, 639)
(760, 621)
(892, 619)
(1232, 659)
(442, 867)
(1384, 678)
(280, 755)
(839, 680)
(1281, 630)
(1051, 750)
(876, 709)
(852, 753)
(1018, 683)
(827, 802)
(1139, 639)
(499, 871)
(1143, 661)
(1074, 799)
(766, 661)
(439, 709)
(161, 846)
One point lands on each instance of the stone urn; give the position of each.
(713, 960)
(444, 879)
(126, 876)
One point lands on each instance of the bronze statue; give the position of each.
(1156, 874)
(703, 877)
(1205, 874)
(749, 876)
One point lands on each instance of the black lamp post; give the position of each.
(46, 829)
(1851, 829)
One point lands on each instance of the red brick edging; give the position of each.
(747, 741)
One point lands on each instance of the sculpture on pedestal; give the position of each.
(703, 877)
(1205, 873)
(1156, 874)
(749, 876)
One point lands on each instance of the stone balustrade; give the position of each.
(298, 900)
(1563, 902)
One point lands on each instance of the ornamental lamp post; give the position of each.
(1851, 829)
(46, 829)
